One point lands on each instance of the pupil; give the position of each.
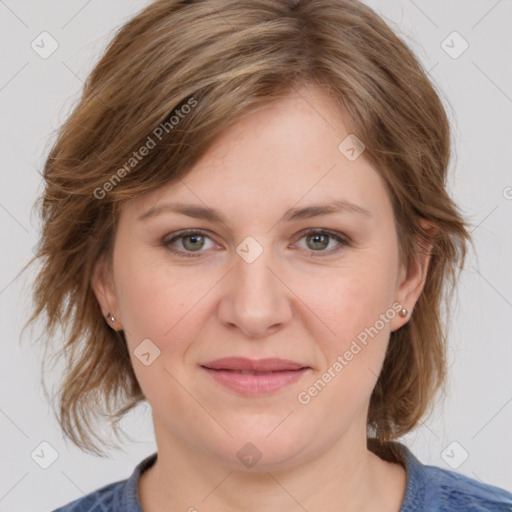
(194, 239)
(317, 237)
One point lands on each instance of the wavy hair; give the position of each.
(207, 63)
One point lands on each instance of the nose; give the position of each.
(255, 298)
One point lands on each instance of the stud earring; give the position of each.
(110, 317)
(403, 312)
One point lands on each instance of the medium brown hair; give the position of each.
(224, 59)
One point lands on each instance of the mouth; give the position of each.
(248, 372)
(243, 364)
(255, 377)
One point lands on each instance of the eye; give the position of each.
(191, 241)
(318, 239)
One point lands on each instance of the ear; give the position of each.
(102, 284)
(411, 281)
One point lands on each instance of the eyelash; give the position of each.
(343, 240)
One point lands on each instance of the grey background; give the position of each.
(37, 94)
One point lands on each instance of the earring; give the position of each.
(403, 312)
(110, 317)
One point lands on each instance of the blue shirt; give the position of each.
(429, 488)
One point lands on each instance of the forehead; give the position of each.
(284, 155)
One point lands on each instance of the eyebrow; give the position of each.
(293, 214)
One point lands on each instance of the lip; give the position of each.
(227, 371)
(270, 364)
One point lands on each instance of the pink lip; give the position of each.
(226, 371)
(272, 364)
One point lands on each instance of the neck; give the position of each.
(345, 476)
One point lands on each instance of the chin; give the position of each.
(254, 449)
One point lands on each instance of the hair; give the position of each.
(172, 79)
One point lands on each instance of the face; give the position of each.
(265, 281)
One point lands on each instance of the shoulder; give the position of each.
(101, 500)
(434, 489)
(453, 492)
(121, 496)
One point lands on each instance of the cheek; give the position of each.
(161, 305)
(352, 356)
(152, 297)
(356, 304)
(352, 298)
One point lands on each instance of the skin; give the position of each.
(291, 302)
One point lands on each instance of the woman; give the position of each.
(246, 224)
